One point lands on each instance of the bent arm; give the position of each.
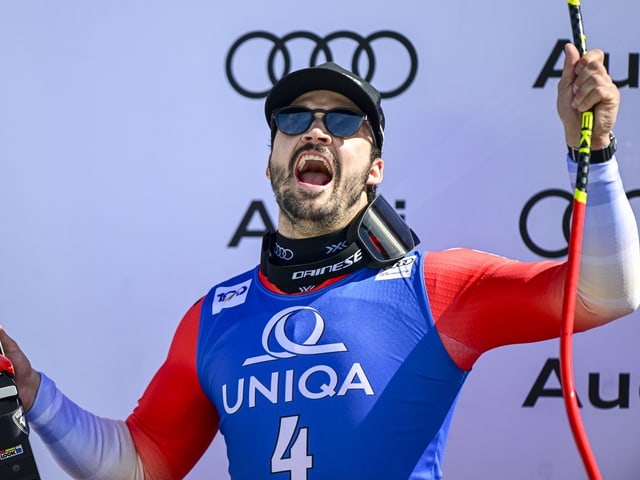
(162, 439)
(481, 301)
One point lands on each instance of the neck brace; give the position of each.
(377, 238)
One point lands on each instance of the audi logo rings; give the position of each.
(525, 224)
(283, 253)
(279, 50)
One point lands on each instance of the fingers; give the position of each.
(9, 345)
(586, 85)
(12, 352)
(27, 379)
(592, 83)
(571, 58)
(5, 340)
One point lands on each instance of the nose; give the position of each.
(317, 132)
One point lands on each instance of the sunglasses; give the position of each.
(339, 122)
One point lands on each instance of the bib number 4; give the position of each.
(291, 452)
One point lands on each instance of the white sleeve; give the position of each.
(84, 445)
(609, 281)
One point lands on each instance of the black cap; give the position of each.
(329, 76)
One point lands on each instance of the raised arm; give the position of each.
(482, 301)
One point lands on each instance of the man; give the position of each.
(341, 356)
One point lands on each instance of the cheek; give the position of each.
(356, 159)
(282, 148)
(277, 158)
(284, 141)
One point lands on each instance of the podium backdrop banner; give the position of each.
(133, 149)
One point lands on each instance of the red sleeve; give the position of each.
(174, 421)
(481, 301)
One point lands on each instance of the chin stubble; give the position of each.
(325, 217)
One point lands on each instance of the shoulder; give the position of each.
(461, 260)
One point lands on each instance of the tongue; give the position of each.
(315, 178)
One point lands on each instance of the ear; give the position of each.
(267, 171)
(376, 172)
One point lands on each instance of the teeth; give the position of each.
(304, 159)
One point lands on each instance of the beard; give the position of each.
(305, 207)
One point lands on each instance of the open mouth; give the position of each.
(313, 169)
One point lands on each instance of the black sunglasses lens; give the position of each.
(294, 121)
(340, 122)
(343, 123)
